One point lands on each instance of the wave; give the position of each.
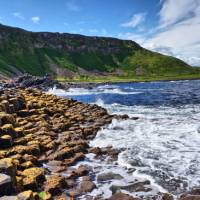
(163, 145)
(82, 91)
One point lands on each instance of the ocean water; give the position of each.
(162, 146)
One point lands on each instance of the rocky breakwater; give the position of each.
(41, 136)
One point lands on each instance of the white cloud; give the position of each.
(136, 20)
(179, 30)
(35, 19)
(18, 15)
(175, 11)
(72, 5)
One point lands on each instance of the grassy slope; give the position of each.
(17, 50)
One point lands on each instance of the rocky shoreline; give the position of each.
(40, 130)
(42, 83)
(43, 137)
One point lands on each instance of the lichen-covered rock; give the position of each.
(33, 178)
(55, 184)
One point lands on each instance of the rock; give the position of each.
(8, 166)
(108, 176)
(122, 196)
(8, 129)
(133, 187)
(9, 198)
(6, 141)
(167, 196)
(82, 170)
(46, 131)
(54, 184)
(63, 154)
(70, 182)
(26, 195)
(191, 197)
(163, 196)
(6, 185)
(62, 197)
(33, 177)
(6, 118)
(194, 191)
(134, 118)
(87, 186)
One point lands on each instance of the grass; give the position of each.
(114, 79)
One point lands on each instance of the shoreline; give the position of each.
(42, 137)
(46, 83)
(45, 136)
(41, 129)
(128, 80)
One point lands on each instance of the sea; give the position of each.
(162, 146)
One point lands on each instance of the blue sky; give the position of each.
(171, 27)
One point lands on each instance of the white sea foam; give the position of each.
(55, 91)
(82, 91)
(163, 145)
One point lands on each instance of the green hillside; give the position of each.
(76, 56)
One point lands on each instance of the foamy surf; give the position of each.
(162, 146)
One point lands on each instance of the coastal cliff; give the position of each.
(65, 55)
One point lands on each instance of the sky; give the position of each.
(171, 27)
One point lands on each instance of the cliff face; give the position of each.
(71, 55)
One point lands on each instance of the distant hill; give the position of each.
(70, 55)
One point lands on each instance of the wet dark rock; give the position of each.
(191, 197)
(87, 186)
(133, 187)
(108, 176)
(122, 196)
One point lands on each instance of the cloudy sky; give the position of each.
(168, 26)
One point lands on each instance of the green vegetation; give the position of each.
(81, 58)
(112, 79)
